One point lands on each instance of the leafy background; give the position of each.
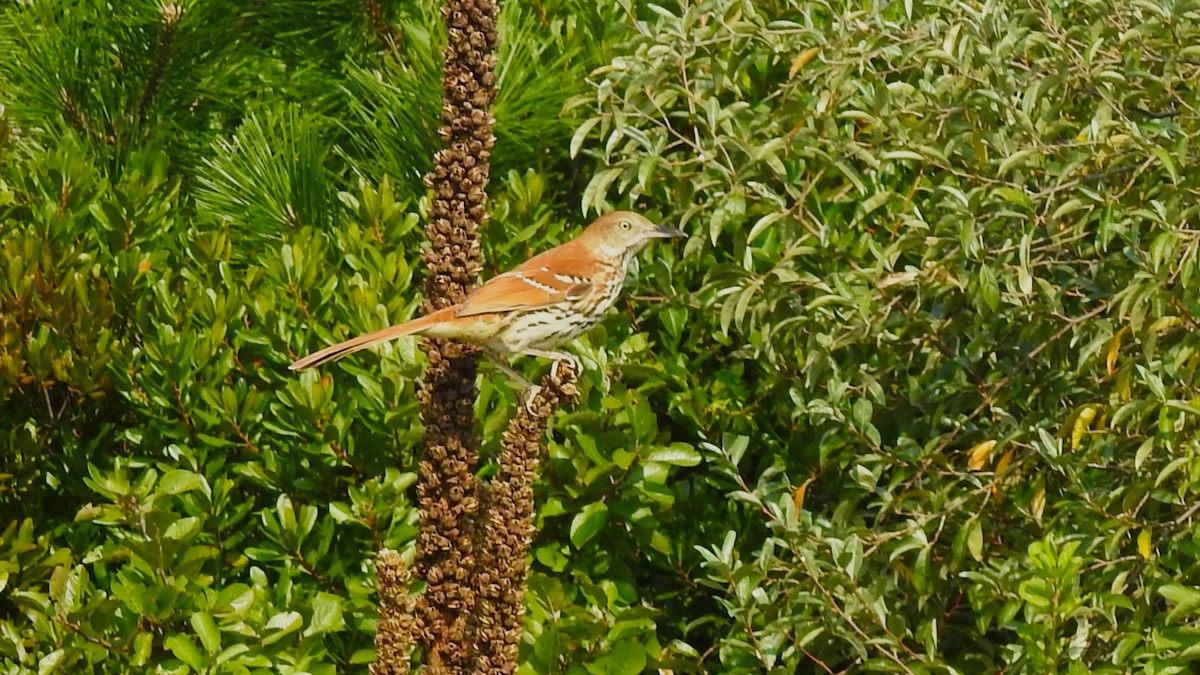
(917, 395)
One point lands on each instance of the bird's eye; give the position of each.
(625, 225)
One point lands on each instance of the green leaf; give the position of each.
(595, 194)
(179, 481)
(1037, 592)
(282, 625)
(627, 658)
(183, 528)
(862, 412)
(580, 135)
(677, 454)
(975, 539)
(50, 662)
(588, 522)
(1186, 600)
(1164, 156)
(1016, 158)
(1016, 196)
(327, 615)
(185, 650)
(206, 630)
(763, 223)
(989, 289)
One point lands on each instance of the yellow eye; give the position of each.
(625, 225)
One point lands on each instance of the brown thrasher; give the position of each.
(550, 300)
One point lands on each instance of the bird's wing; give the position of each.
(521, 289)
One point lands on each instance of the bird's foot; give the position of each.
(529, 394)
(558, 357)
(569, 359)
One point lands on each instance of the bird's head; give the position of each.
(620, 234)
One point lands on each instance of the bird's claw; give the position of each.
(531, 393)
(572, 360)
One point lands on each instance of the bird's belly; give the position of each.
(547, 328)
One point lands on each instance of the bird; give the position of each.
(535, 308)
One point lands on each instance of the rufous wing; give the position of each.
(521, 290)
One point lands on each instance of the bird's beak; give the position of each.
(667, 233)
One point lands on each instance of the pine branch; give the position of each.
(162, 59)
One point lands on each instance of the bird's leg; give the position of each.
(557, 357)
(531, 389)
(502, 363)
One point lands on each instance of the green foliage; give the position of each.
(916, 396)
(955, 248)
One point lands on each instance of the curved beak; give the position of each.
(661, 232)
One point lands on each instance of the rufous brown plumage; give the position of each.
(543, 304)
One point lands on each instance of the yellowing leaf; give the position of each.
(1165, 323)
(1114, 348)
(1001, 467)
(1083, 424)
(800, 61)
(796, 129)
(1143, 543)
(798, 495)
(978, 456)
(1037, 505)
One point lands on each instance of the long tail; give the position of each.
(334, 352)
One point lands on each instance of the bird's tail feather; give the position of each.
(334, 352)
